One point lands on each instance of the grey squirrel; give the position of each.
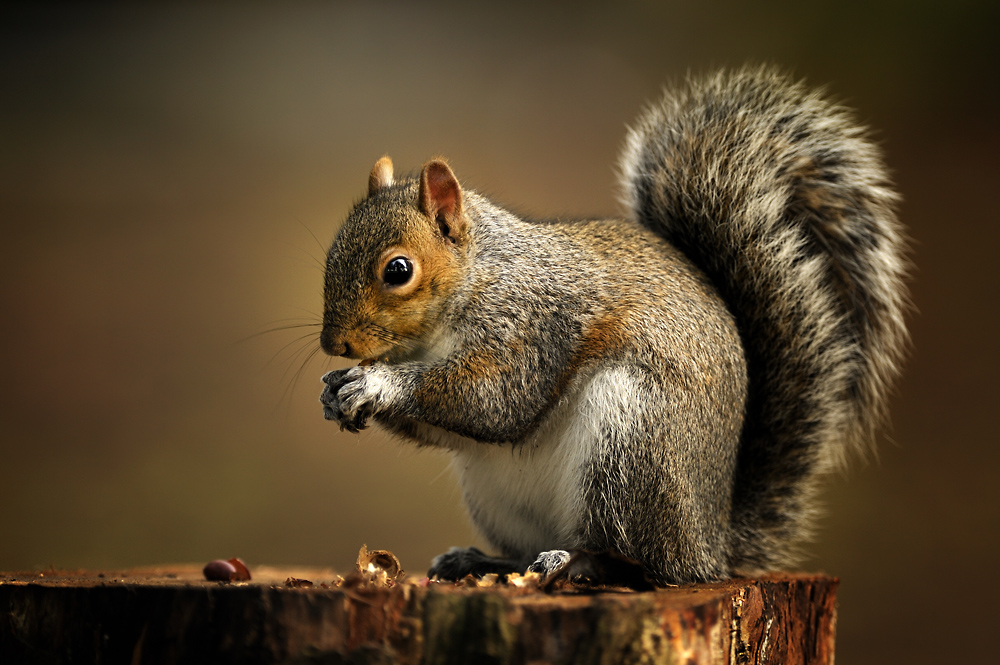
(668, 386)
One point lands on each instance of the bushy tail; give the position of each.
(784, 202)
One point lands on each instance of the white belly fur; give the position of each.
(531, 496)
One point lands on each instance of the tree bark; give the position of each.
(172, 615)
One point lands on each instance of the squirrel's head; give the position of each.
(394, 265)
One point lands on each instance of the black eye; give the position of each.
(398, 271)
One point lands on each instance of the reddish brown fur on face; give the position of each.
(373, 319)
(411, 313)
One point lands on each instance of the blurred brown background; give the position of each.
(163, 171)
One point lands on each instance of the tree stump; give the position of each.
(172, 615)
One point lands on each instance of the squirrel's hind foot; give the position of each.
(459, 562)
(549, 562)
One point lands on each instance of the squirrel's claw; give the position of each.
(347, 399)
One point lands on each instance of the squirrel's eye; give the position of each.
(398, 271)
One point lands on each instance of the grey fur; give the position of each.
(547, 563)
(693, 368)
(779, 196)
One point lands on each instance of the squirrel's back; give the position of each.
(780, 197)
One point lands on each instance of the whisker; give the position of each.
(319, 264)
(288, 394)
(277, 329)
(294, 341)
(392, 336)
(312, 315)
(294, 357)
(312, 261)
(290, 390)
(310, 231)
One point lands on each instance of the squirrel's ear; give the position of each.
(381, 175)
(441, 199)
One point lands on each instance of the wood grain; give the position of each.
(171, 614)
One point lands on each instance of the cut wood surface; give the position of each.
(172, 614)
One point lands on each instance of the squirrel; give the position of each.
(668, 386)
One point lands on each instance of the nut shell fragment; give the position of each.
(242, 572)
(295, 582)
(379, 561)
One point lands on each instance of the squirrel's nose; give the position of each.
(333, 346)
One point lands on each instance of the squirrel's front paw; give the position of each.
(351, 396)
(328, 398)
